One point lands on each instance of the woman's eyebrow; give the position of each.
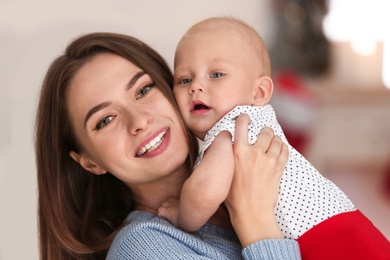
(99, 107)
(134, 79)
(94, 110)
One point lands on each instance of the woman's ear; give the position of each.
(87, 163)
(263, 91)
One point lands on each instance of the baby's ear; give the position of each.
(263, 91)
(87, 163)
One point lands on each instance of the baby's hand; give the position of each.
(169, 210)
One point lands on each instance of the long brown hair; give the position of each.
(80, 212)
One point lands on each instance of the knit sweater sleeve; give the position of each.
(149, 237)
(272, 249)
(140, 245)
(152, 244)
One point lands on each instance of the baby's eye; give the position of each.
(145, 90)
(105, 121)
(185, 81)
(217, 75)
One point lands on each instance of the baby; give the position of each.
(222, 70)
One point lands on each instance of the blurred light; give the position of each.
(386, 63)
(364, 47)
(362, 23)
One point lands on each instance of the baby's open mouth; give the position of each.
(200, 106)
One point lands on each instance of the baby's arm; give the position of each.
(206, 189)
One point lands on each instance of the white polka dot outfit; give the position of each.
(306, 198)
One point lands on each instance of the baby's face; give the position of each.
(215, 70)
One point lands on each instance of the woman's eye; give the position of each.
(185, 81)
(144, 90)
(217, 75)
(105, 121)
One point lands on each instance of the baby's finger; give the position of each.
(241, 129)
(264, 139)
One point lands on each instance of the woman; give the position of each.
(110, 141)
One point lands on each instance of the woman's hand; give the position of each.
(255, 184)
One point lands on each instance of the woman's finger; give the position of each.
(275, 146)
(279, 151)
(241, 129)
(283, 158)
(264, 139)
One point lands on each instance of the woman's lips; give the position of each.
(153, 144)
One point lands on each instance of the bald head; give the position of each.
(236, 30)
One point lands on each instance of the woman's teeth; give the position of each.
(152, 145)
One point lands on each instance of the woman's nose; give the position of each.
(138, 121)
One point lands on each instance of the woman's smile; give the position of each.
(156, 146)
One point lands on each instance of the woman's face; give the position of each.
(124, 123)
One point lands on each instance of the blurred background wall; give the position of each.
(328, 67)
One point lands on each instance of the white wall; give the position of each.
(32, 34)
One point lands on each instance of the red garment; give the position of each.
(348, 235)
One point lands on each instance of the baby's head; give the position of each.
(219, 63)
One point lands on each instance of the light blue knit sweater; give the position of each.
(149, 237)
